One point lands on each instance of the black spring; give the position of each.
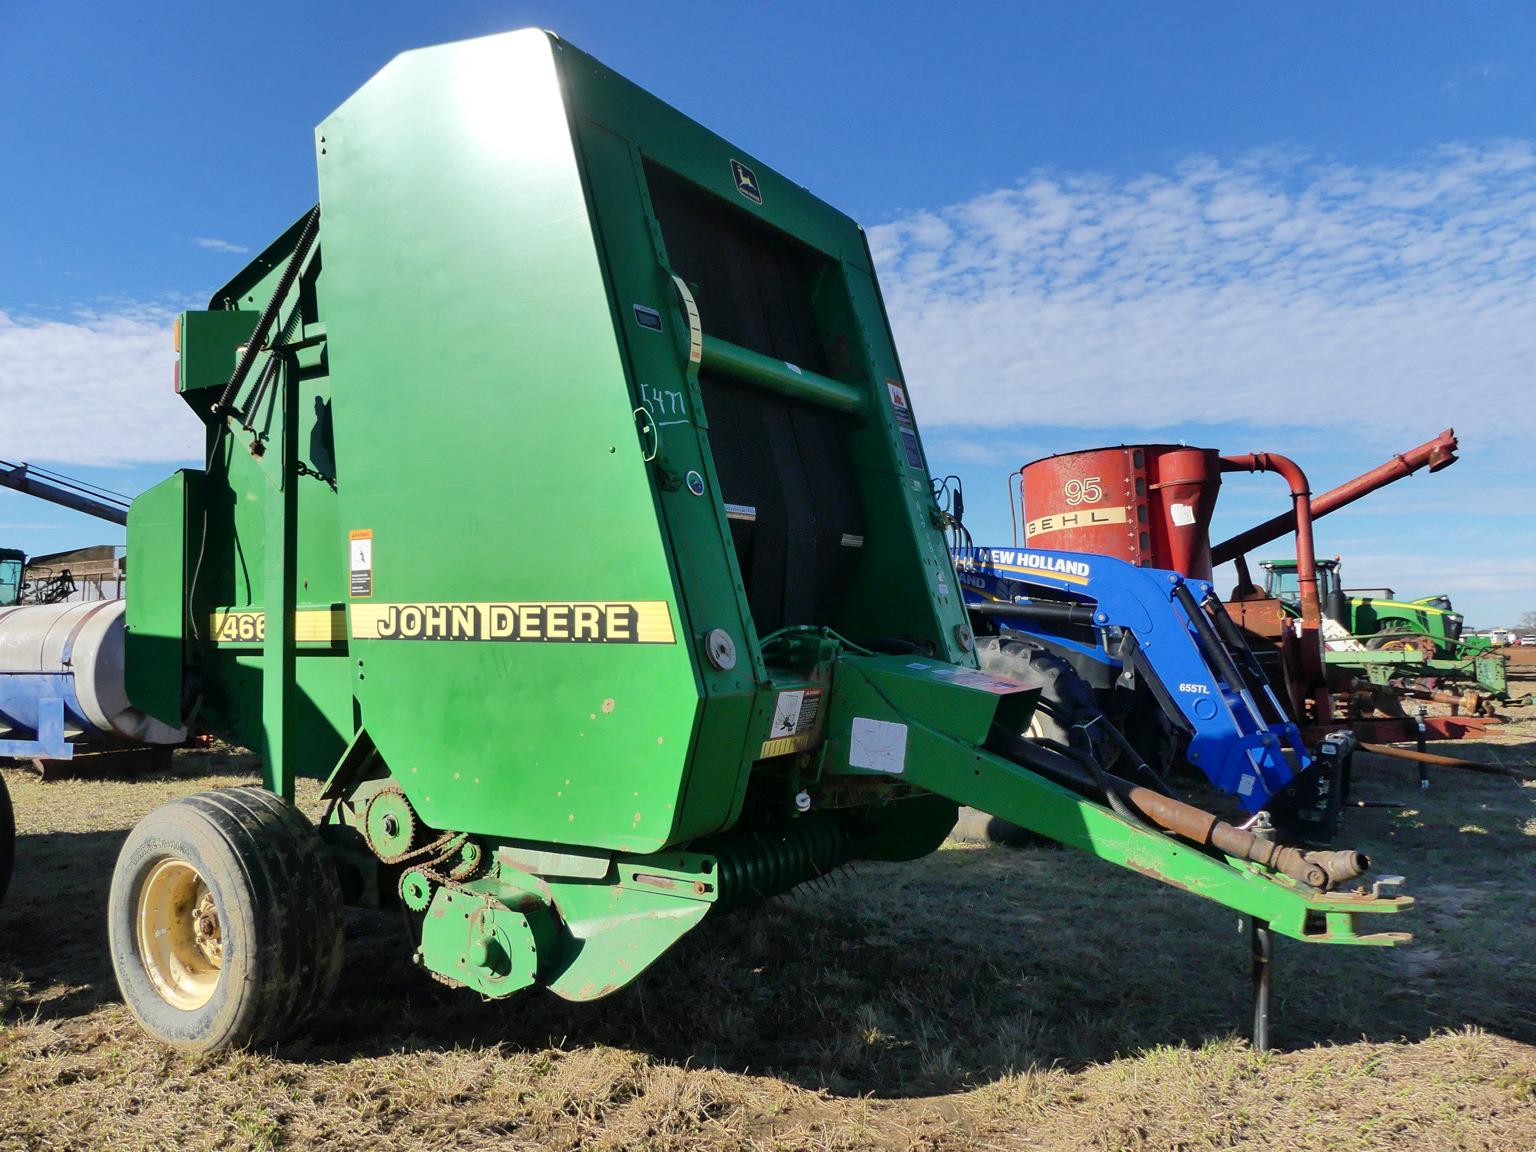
(755, 865)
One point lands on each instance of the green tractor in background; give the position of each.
(1373, 615)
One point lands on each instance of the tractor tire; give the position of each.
(1149, 731)
(225, 921)
(7, 838)
(1067, 701)
(1400, 640)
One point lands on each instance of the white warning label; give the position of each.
(1183, 515)
(969, 678)
(786, 714)
(360, 561)
(796, 723)
(878, 745)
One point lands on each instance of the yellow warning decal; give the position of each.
(784, 745)
(248, 626)
(1087, 518)
(797, 723)
(541, 622)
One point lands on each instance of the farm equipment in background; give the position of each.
(1392, 642)
(61, 637)
(61, 650)
(1135, 618)
(92, 573)
(96, 572)
(1373, 616)
(577, 667)
(1361, 678)
(1150, 506)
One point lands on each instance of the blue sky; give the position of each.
(1308, 228)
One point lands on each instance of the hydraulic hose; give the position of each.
(1039, 610)
(1321, 870)
(1142, 768)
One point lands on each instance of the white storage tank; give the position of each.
(70, 653)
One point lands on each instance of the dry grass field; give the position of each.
(982, 998)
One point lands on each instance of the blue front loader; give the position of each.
(1117, 623)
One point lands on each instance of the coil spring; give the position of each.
(756, 865)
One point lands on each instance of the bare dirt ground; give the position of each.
(982, 998)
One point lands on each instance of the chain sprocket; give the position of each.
(390, 825)
(415, 890)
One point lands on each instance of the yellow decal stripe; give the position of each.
(249, 626)
(784, 745)
(535, 622)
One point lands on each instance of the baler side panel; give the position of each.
(486, 438)
(154, 635)
(713, 596)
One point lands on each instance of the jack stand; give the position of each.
(1261, 945)
(1423, 767)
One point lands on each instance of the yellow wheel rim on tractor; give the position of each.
(180, 939)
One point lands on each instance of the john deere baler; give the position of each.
(566, 512)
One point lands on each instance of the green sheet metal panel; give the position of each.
(156, 613)
(486, 439)
(698, 536)
(209, 345)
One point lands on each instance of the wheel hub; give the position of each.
(179, 934)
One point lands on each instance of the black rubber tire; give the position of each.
(1402, 638)
(7, 838)
(1149, 731)
(280, 913)
(1067, 702)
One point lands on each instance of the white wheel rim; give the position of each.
(180, 938)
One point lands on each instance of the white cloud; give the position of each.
(93, 389)
(1272, 289)
(214, 244)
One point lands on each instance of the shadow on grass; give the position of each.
(916, 979)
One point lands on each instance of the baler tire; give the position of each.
(7, 838)
(1069, 702)
(225, 921)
